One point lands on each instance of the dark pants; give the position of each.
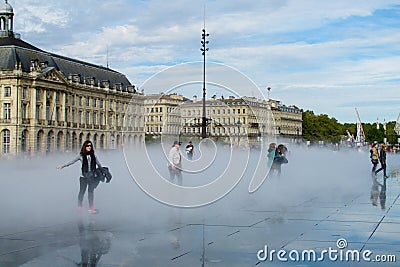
(374, 165)
(383, 167)
(89, 183)
(173, 173)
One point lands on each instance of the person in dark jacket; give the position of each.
(280, 158)
(382, 160)
(87, 178)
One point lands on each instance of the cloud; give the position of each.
(334, 46)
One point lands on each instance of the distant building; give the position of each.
(288, 119)
(163, 114)
(235, 118)
(50, 102)
(241, 119)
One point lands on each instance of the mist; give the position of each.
(33, 188)
(34, 195)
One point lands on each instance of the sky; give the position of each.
(326, 56)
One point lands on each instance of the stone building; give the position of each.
(163, 114)
(237, 119)
(288, 120)
(51, 102)
(243, 119)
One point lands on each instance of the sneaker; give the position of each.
(93, 210)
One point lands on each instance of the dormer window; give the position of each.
(44, 64)
(105, 83)
(76, 78)
(89, 80)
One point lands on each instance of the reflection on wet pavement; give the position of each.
(229, 232)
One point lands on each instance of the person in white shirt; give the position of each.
(175, 163)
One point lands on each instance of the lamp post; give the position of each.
(204, 49)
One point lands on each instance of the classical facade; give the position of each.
(163, 114)
(288, 119)
(243, 118)
(50, 102)
(237, 119)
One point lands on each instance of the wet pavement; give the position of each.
(308, 208)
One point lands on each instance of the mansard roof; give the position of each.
(15, 51)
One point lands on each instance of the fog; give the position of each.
(38, 203)
(34, 194)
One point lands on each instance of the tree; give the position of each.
(323, 128)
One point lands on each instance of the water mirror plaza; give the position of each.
(325, 200)
(219, 162)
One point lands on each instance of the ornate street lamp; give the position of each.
(204, 49)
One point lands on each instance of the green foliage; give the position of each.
(322, 128)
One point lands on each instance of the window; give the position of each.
(73, 116)
(94, 103)
(23, 111)
(87, 117)
(37, 113)
(94, 118)
(73, 100)
(101, 104)
(37, 94)
(6, 141)
(57, 114)
(101, 118)
(7, 111)
(80, 101)
(80, 117)
(7, 91)
(87, 101)
(24, 93)
(48, 111)
(66, 111)
(57, 97)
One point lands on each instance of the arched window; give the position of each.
(24, 136)
(5, 141)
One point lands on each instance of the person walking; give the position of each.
(382, 160)
(190, 150)
(175, 163)
(374, 155)
(87, 179)
(280, 158)
(271, 157)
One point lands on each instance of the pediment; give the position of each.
(51, 74)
